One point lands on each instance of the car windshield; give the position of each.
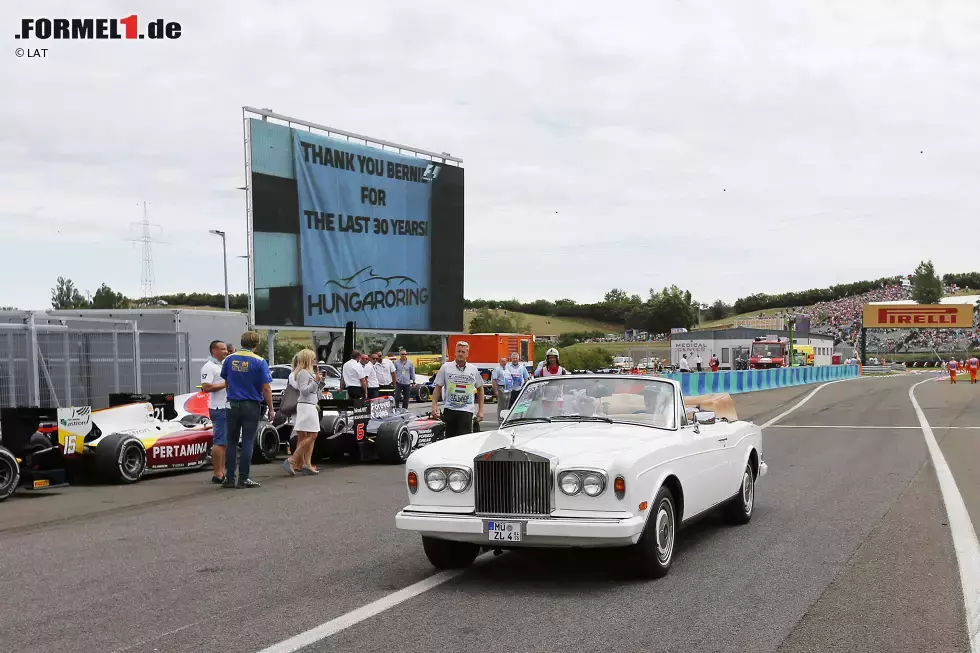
(766, 349)
(647, 402)
(280, 372)
(329, 371)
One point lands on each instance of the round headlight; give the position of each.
(570, 483)
(593, 485)
(435, 480)
(458, 480)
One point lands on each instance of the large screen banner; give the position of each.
(349, 232)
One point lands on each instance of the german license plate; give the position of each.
(504, 531)
(41, 483)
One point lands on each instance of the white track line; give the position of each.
(806, 399)
(835, 426)
(960, 525)
(347, 620)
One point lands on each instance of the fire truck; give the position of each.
(768, 352)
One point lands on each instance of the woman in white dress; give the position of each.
(306, 379)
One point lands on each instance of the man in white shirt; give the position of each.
(215, 386)
(385, 369)
(373, 387)
(463, 386)
(698, 362)
(353, 377)
(685, 365)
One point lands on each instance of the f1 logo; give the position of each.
(431, 172)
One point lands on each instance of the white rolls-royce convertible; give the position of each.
(585, 461)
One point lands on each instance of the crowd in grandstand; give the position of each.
(842, 319)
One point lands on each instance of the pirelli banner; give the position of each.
(918, 316)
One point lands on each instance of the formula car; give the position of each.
(373, 429)
(142, 433)
(33, 449)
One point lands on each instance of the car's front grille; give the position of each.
(512, 487)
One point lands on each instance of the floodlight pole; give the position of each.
(224, 257)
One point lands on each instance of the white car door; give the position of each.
(709, 465)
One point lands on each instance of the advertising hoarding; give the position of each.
(343, 231)
(918, 316)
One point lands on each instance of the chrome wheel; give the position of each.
(665, 531)
(748, 491)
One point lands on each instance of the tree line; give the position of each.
(65, 295)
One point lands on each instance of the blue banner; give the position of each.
(344, 232)
(733, 382)
(364, 234)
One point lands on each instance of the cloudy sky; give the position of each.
(727, 147)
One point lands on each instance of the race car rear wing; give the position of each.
(163, 404)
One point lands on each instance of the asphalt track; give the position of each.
(849, 550)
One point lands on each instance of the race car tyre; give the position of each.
(266, 446)
(394, 443)
(739, 508)
(9, 473)
(444, 554)
(329, 425)
(652, 556)
(423, 393)
(120, 458)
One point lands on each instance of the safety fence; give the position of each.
(49, 363)
(732, 382)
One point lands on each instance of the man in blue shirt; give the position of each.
(518, 377)
(501, 384)
(404, 378)
(247, 378)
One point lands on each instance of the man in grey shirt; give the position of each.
(404, 379)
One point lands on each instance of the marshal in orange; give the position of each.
(917, 316)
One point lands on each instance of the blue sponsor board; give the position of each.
(736, 381)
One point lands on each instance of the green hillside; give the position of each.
(543, 325)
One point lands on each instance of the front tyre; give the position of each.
(423, 393)
(738, 510)
(654, 553)
(266, 446)
(444, 554)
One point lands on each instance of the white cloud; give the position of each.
(727, 148)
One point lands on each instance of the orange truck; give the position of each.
(486, 349)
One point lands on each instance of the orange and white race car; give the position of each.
(146, 433)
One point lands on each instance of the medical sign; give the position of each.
(344, 231)
(918, 316)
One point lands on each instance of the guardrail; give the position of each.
(738, 381)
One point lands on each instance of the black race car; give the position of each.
(32, 453)
(373, 429)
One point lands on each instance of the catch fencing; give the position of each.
(732, 382)
(50, 362)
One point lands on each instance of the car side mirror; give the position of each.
(704, 417)
(502, 415)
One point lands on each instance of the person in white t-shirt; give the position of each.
(685, 364)
(353, 377)
(214, 385)
(698, 362)
(462, 384)
(385, 369)
(373, 387)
